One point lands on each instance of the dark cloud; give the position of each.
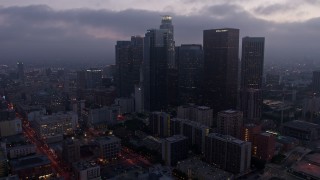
(275, 8)
(39, 33)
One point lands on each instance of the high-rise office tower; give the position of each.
(129, 55)
(93, 78)
(166, 23)
(190, 63)
(221, 54)
(316, 81)
(123, 68)
(20, 68)
(155, 68)
(252, 62)
(251, 77)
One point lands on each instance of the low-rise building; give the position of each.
(264, 146)
(30, 167)
(101, 117)
(301, 130)
(109, 146)
(86, 171)
(10, 127)
(18, 146)
(197, 169)
(52, 127)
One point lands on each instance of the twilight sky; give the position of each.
(79, 30)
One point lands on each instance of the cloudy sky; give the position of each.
(79, 30)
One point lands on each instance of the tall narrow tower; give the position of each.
(221, 54)
(166, 23)
(155, 69)
(251, 78)
(20, 68)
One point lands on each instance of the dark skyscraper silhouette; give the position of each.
(20, 71)
(166, 23)
(129, 55)
(221, 51)
(190, 63)
(155, 68)
(316, 81)
(251, 77)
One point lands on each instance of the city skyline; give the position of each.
(82, 32)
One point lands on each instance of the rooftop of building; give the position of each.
(203, 108)
(250, 125)
(194, 124)
(83, 165)
(176, 138)
(15, 140)
(229, 111)
(60, 116)
(287, 139)
(307, 168)
(303, 125)
(266, 134)
(226, 138)
(29, 162)
(108, 139)
(70, 141)
(205, 170)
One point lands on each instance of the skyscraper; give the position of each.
(129, 55)
(155, 67)
(316, 81)
(190, 63)
(20, 72)
(166, 23)
(221, 50)
(252, 60)
(251, 77)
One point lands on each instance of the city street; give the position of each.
(43, 148)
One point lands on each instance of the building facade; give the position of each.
(159, 124)
(109, 147)
(228, 153)
(230, 122)
(221, 56)
(252, 61)
(129, 55)
(190, 66)
(174, 149)
(166, 24)
(155, 69)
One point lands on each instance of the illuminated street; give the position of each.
(44, 149)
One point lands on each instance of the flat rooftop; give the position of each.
(82, 165)
(307, 168)
(176, 138)
(226, 138)
(29, 162)
(108, 139)
(297, 124)
(203, 170)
